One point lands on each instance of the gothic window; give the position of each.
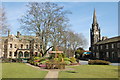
(10, 45)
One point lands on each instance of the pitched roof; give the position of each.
(109, 40)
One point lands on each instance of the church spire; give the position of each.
(94, 17)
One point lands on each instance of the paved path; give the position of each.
(52, 73)
(82, 62)
(115, 64)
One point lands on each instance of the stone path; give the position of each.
(52, 73)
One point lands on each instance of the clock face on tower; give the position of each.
(96, 33)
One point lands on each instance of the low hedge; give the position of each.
(98, 62)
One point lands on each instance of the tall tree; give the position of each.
(46, 19)
(3, 21)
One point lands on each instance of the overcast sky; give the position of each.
(80, 19)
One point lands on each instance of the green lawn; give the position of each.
(91, 71)
(21, 70)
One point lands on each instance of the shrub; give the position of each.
(66, 59)
(67, 62)
(36, 58)
(56, 59)
(43, 62)
(6, 60)
(98, 62)
(72, 60)
(36, 63)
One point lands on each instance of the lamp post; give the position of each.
(68, 50)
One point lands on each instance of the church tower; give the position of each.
(95, 30)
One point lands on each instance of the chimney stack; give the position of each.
(8, 33)
(18, 34)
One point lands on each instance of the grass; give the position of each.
(91, 71)
(21, 70)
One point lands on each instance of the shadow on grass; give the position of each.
(71, 71)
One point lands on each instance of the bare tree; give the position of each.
(46, 19)
(3, 21)
(72, 41)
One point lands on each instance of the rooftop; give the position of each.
(109, 40)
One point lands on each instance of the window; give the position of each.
(113, 55)
(15, 53)
(27, 46)
(10, 54)
(15, 45)
(21, 46)
(40, 46)
(30, 46)
(97, 55)
(97, 47)
(36, 46)
(106, 46)
(101, 46)
(118, 45)
(118, 53)
(10, 45)
(107, 54)
(112, 45)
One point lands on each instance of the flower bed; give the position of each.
(52, 65)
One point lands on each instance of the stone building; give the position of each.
(103, 48)
(20, 46)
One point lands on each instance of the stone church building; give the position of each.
(103, 48)
(19, 46)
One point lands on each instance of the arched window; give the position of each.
(26, 54)
(20, 54)
(21, 46)
(27, 46)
